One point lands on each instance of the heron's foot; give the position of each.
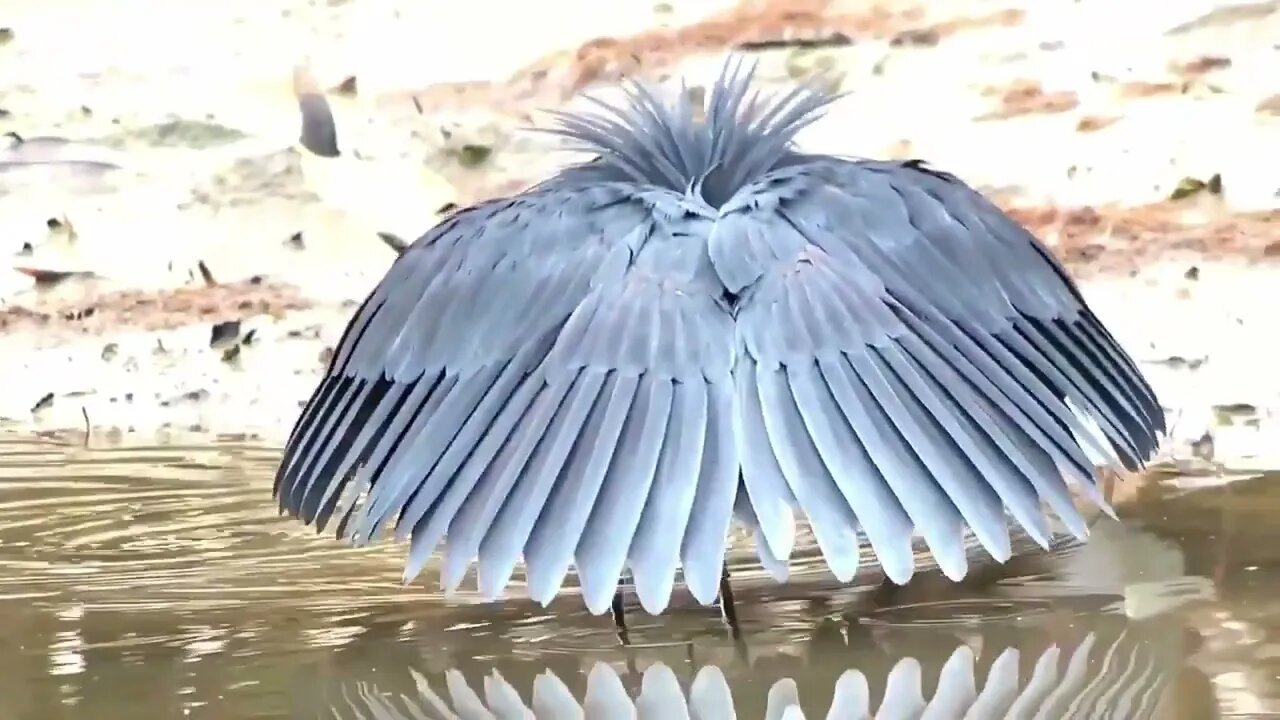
(619, 617)
(728, 611)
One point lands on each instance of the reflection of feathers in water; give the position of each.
(1149, 572)
(1123, 680)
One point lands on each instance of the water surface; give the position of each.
(158, 582)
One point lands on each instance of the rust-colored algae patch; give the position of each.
(999, 18)
(1028, 97)
(560, 75)
(1112, 240)
(608, 59)
(1202, 65)
(1269, 106)
(1094, 123)
(1143, 89)
(766, 22)
(96, 313)
(601, 59)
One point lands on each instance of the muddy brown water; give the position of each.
(159, 582)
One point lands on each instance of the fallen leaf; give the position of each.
(472, 155)
(205, 274)
(347, 88)
(224, 334)
(924, 37)
(1093, 123)
(1150, 89)
(1189, 186)
(43, 403)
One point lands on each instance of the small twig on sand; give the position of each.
(85, 412)
(205, 274)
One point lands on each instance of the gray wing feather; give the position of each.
(503, 544)
(770, 494)
(1039, 292)
(836, 219)
(777, 569)
(834, 524)
(830, 413)
(911, 360)
(906, 453)
(703, 546)
(656, 545)
(547, 379)
(550, 550)
(615, 515)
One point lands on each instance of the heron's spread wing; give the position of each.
(913, 362)
(579, 375)
(546, 377)
(983, 269)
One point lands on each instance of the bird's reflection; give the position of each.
(1027, 661)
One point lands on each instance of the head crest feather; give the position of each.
(663, 142)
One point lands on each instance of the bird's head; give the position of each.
(709, 152)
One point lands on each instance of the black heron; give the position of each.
(704, 324)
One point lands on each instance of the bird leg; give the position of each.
(728, 612)
(619, 620)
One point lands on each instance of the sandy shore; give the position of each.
(221, 281)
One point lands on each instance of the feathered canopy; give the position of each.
(704, 325)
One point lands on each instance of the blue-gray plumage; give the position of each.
(702, 323)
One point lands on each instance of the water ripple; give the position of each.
(157, 580)
(184, 528)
